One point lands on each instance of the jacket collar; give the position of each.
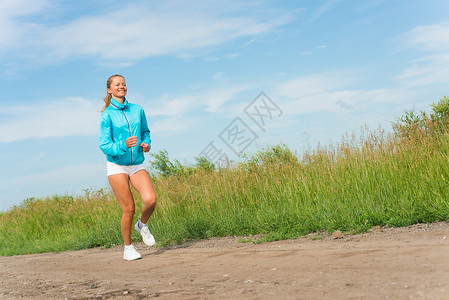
(117, 105)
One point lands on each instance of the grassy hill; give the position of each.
(373, 178)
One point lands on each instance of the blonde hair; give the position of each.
(108, 97)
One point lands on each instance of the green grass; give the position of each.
(375, 178)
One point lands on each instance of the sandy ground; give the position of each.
(385, 263)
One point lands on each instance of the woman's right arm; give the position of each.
(107, 145)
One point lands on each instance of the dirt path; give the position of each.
(386, 263)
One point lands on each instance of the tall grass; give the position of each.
(373, 178)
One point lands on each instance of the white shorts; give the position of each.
(113, 169)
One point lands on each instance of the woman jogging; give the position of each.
(124, 137)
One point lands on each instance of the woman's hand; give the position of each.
(131, 141)
(145, 147)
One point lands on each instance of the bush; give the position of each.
(435, 122)
(162, 166)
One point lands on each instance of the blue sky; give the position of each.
(328, 67)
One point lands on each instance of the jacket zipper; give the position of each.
(130, 134)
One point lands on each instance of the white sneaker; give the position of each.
(148, 238)
(130, 253)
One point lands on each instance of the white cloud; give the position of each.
(214, 100)
(12, 31)
(314, 84)
(323, 9)
(78, 116)
(171, 105)
(136, 31)
(61, 176)
(430, 69)
(218, 75)
(430, 38)
(433, 66)
(327, 105)
(61, 118)
(68, 179)
(15, 8)
(171, 125)
(332, 92)
(211, 100)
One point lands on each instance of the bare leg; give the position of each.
(120, 186)
(142, 183)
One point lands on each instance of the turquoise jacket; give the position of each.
(117, 123)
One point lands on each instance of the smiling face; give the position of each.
(117, 88)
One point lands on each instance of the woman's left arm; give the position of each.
(145, 134)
